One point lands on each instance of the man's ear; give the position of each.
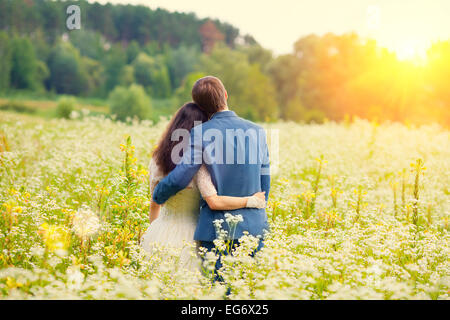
(226, 94)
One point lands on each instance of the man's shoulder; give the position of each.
(237, 122)
(247, 125)
(236, 119)
(250, 124)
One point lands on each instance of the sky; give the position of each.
(405, 26)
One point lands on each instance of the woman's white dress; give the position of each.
(178, 217)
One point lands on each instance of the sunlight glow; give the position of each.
(411, 50)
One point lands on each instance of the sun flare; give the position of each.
(411, 50)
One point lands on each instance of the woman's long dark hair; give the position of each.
(183, 119)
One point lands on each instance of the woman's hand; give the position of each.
(257, 200)
(261, 195)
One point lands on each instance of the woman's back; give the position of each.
(176, 223)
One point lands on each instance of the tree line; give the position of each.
(138, 55)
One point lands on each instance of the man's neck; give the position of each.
(221, 110)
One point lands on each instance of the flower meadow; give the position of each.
(358, 210)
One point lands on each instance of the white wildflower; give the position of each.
(85, 223)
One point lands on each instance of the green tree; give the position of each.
(129, 102)
(184, 92)
(133, 50)
(113, 64)
(251, 93)
(42, 74)
(94, 75)
(24, 64)
(100, 18)
(143, 68)
(53, 18)
(89, 43)
(67, 74)
(230, 67)
(258, 101)
(5, 61)
(284, 72)
(127, 77)
(180, 62)
(65, 107)
(296, 111)
(41, 47)
(152, 73)
(258, 55)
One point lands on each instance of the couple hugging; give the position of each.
(220, 167)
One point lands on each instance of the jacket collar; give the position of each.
(223, 114)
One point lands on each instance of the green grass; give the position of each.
(44, 104)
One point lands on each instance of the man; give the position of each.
(235, 153)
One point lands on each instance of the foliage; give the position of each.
(258, 96)
(17, 107)
(65, 107)
(118, 23)
(113, 64)
(67, 72)
(325, 77)
(89, 43)
(127, 76)
(152, 74)
(258, 55)
(284, 71)
(295, 111)
(210, 36)
(180, 62)
(5, 61)
(129, 102)
(23, 64)
(250, 91)
(184, 92)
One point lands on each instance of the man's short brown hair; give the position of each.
(209, 94)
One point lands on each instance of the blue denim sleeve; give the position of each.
(184, 172)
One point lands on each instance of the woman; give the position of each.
(174, 224)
